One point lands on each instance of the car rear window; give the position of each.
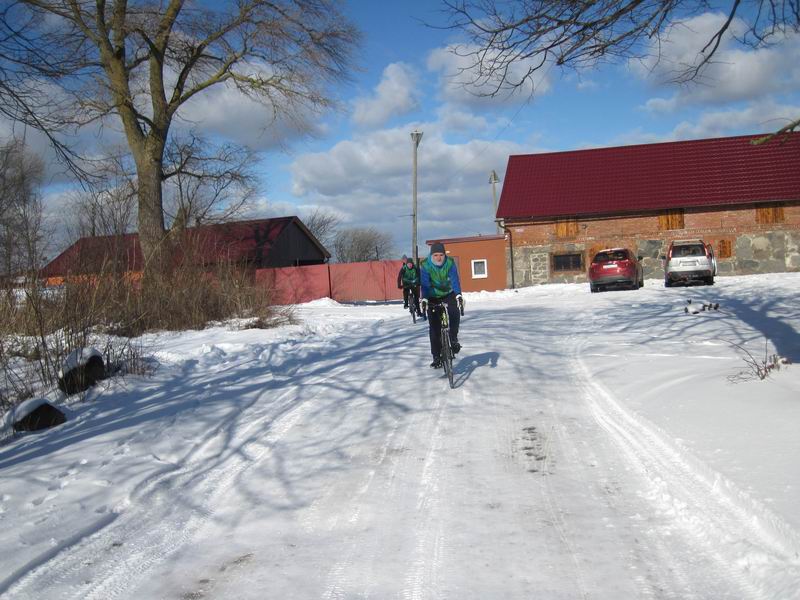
(689, 250)
(611, 255)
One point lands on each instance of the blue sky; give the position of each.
(358, 163)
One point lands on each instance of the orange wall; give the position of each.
(493, 250)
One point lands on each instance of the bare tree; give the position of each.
(67, 64)
(21, 216)
(357, 244)
(509, 42)
(204, 183)
(207, 182)
(108, 205)
(323, 224)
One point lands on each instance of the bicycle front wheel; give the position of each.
(447, 357)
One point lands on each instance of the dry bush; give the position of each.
(757, 368)
(40, 326)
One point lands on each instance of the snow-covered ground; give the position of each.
(593, 448)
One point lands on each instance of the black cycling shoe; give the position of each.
(405, 305)
(437, 363)
(456, 347)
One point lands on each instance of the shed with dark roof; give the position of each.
(262, 243)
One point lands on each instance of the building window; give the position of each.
(566, 228)
(769, 213)
(724, 249)
(671, 219)
(480, 269)
(568, 262)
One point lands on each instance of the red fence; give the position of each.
(348, 282)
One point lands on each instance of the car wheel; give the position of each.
(710, 280)
(592, 288)
(667, 283)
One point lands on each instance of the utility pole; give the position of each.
(493, 179)
(416, 137)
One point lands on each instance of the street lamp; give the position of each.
(416, 137)
(493, 179)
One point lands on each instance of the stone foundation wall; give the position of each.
(531, 265)
(761, 252)
(770, 252)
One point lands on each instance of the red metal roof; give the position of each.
(648, 177)
(240, 241)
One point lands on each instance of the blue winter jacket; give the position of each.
(438, 282)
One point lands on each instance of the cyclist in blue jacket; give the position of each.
(440, 286)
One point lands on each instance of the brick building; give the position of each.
(559, 208)
(481, 261)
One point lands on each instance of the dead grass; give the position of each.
(43, 325)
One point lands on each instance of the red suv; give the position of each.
(615, 267)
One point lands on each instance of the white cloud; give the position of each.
(458, 75)
(757, 117)
(395, 95)
(661, 105)
(454, 120)
(224, 111)
(368, 181)
(736, 72)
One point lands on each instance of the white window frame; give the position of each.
(485, 268)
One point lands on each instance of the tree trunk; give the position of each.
(152, 235)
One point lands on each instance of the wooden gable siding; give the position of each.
(293, 248)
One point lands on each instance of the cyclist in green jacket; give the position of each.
(408, 281)
(441, 285)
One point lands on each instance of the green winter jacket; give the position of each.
(438, 282)
(408, 277)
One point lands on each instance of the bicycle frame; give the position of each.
(447, 351)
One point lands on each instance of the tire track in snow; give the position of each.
(422, 580)
(749, 544)
(132, 530)
(344, 577)
(340, 579)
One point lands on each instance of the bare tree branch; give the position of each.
(70, 63)
(358, 244)
(509, 42)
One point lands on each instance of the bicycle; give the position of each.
(447, 350)
(413, 304)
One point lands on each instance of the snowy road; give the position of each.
(329, 464)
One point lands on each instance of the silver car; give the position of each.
(689, 261)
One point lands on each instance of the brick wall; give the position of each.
(742, 244)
